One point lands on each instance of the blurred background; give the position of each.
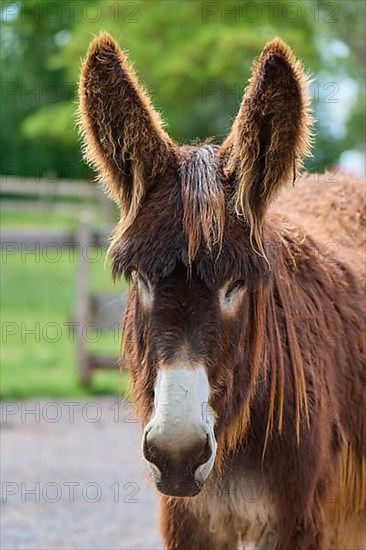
(195, 58)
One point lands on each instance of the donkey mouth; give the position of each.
(175, 488)
(180, 481)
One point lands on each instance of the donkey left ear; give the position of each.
(270, 135)
(123, 135)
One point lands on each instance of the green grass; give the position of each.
(35, 293)
(49, 219)
(20, 220)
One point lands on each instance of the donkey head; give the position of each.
(192, 241)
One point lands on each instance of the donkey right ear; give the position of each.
(270, 135)
(123, 136)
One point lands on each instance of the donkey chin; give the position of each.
(179, 442)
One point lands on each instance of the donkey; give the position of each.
(243, 339)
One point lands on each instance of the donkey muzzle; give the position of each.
(178, 442)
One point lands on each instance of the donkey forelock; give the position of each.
(203, 198)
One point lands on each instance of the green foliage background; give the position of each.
(193, 56)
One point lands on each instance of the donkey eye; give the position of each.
(143, 283)
(230, 295)
(233, 289)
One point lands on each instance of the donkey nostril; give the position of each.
(153, 454)
(202, 456)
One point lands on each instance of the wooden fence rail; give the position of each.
(61, 196)
(64, 189)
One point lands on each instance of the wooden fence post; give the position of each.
(82, 310)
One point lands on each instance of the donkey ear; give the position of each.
(123, 135)
(270, 135)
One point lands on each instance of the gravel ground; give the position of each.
(84, 463)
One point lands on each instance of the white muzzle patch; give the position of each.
(182, 414)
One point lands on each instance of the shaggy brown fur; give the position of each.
(287, 371)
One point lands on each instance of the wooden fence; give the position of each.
(83, 199)
(60, 196)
